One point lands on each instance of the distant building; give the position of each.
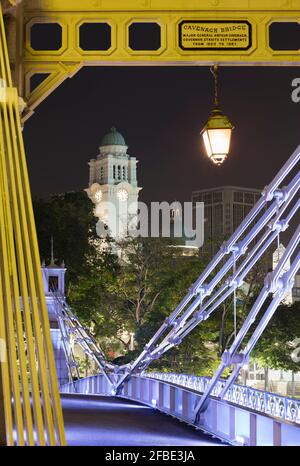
(54, 287)
(225, 208)
(113, 186)
(296, 289)
(54, 281)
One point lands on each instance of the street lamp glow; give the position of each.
(217, 136)
(217, 131)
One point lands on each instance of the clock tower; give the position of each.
(113, 186)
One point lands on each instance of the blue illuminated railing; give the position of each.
(287, 409)
(245, 417)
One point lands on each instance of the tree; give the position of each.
(153, 279)
(137, 295)
(245, 296)
(275, 347)
(69, 219)
(115, 298)
(152, 276)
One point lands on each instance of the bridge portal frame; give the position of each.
(119, 16)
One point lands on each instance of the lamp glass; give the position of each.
(219, 140)
(217, 143)
(207, 143)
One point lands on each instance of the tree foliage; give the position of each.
(69, 219)
(115, 298)
(275, 347)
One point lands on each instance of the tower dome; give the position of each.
(113, 138)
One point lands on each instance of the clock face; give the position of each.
(122, 195)
(98, 195)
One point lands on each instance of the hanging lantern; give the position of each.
(217, 131)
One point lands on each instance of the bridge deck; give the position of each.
(98, 420)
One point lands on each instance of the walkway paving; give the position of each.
(98, 420)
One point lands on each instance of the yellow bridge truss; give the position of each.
(191, 33)
(30, 403)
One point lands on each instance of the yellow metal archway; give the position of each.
(197, 32)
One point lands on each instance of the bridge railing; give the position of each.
(284, 408)
(237, 421)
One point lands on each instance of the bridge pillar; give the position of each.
(151, 383)
(133, 387)
(161, 395)
(253, 430)
(276, 434)
(232, 422)
(185, 404)
(143, 389)
(172, 399)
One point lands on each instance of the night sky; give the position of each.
(160, 112)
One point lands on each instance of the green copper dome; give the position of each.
(113, 138)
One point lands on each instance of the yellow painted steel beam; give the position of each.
(161, 5)
(170, 51)
(29, 389)
(170, 15)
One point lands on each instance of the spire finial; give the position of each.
(52, 253)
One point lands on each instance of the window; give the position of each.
(124, 173)
(238, 215)
(114, 172)
(249, 198)
(208, 221)
(207, 198)
(218, 197)
(296, 292)
(218, 219)
(53, 283)
(197, 198)
(238, 196)
(247, 209)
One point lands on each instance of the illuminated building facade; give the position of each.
(113, 186)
